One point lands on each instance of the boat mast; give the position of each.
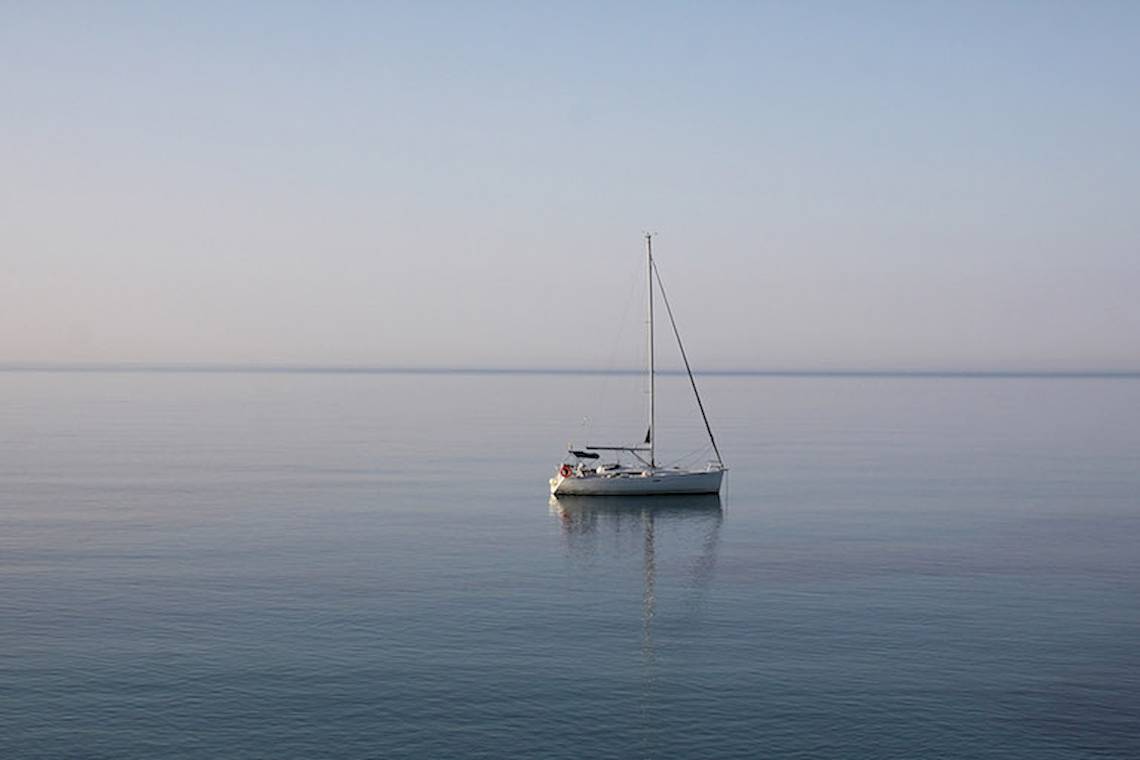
(652, 434)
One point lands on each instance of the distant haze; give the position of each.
(833, 185)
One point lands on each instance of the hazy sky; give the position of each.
(834, 185)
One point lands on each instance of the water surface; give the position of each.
(368, 566)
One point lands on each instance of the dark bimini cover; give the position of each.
(584, 454)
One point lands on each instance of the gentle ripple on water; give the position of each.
(303, 565)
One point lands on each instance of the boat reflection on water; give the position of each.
(586, 514)
(591, 522)
(674, 532)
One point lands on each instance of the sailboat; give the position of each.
(582, 472)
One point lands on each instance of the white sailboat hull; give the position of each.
(648, 483)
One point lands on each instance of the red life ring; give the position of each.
(565, 471)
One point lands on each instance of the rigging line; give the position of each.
(688, 369)
(688, 457)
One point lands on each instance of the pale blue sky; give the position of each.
(834, 185)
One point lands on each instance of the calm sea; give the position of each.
(305, 565)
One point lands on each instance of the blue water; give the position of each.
(287, 565)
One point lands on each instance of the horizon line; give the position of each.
(364, 369)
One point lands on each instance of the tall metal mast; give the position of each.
(652, 434)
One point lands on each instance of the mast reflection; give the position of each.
(593, 524)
